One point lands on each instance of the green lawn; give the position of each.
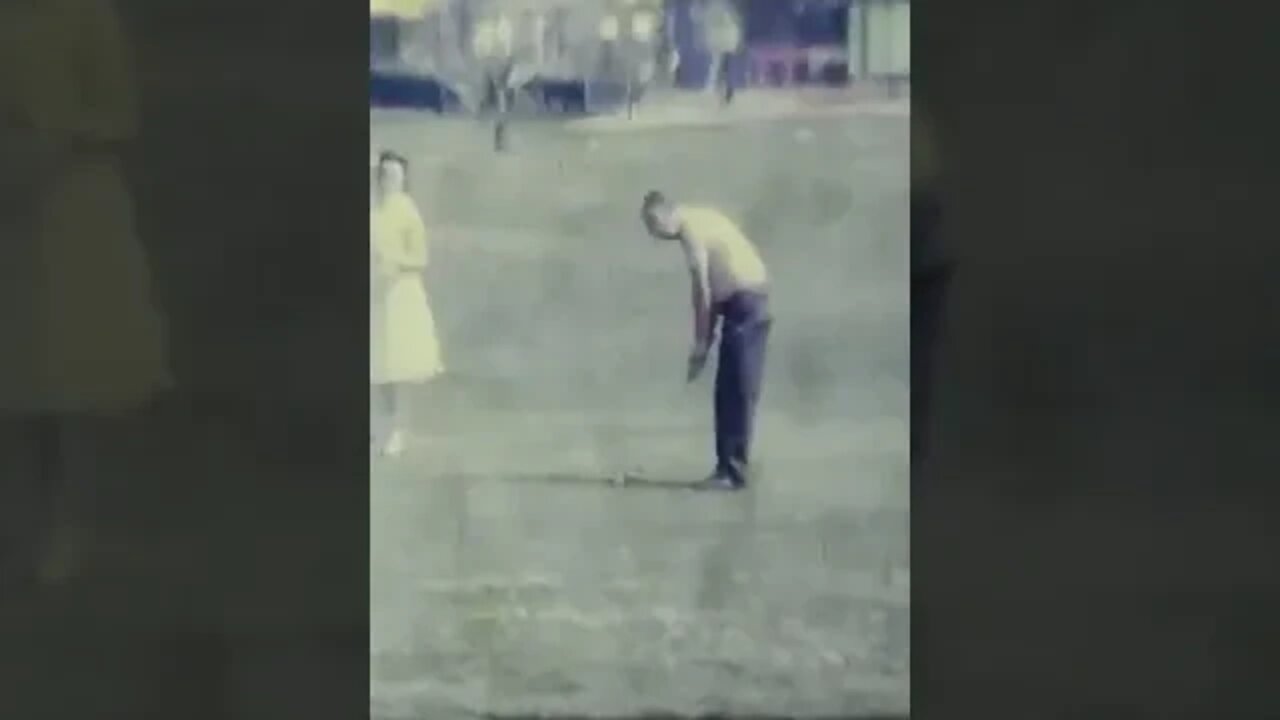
(565, 330)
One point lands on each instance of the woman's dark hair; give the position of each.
(391, 156)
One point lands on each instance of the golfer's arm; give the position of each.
(700, 296)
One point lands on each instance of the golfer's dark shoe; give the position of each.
(720, 480)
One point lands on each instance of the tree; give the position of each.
(641, 55)
(493, 48)
(629, 40)
(500, 68)
(721, 29)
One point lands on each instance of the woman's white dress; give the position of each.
(79, 331)
(403, 346)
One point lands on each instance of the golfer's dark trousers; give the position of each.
(744, 335)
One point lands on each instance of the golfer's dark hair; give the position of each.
(652, 199)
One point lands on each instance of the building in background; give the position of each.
(612, 47)
(879, 40)
(559, 37)
(788, 43)
(607, 47)
(391, 23)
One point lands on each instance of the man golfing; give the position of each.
(729, 283)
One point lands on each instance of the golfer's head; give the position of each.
(658, 215)
(393, 172)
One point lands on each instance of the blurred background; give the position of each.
(590, 57)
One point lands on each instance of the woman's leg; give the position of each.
(45, 546)
(394, 415)
(74, 513)
(381, 407)
(375, 414)
(391, 402)
(392, 394)
(31, 471)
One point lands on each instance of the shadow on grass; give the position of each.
(619, 481)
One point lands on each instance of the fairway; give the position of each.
(497, 585)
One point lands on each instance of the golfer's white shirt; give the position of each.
(718, 251)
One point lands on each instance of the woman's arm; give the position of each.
(406, 246)
(102, 114)
(411, 251)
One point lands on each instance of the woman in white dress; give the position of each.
(82, 339)
(403, 347)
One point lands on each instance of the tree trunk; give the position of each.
(500, 134)
(713, 73)
(501, 104)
